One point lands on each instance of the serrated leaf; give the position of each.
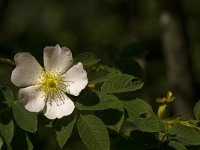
(103, 97)
(87, 59)
(120, 83)
(116, 119)
(93, 133)
(197, 110)
(141, 114)
(184, 134)
(1, 142)
(26, 120)
(29, 144)
(106, 102)
(98, 76)
(8, 95)
(64, 133)
(112, 70)
(112, 118)
(177, 145)
(99, 106)
(7, 131)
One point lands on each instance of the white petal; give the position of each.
(27, 70)
(32, 98)
(58, 108)
(75, 79)
(57, 59)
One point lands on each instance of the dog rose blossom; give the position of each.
(45, 88)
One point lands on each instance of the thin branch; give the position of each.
(7, 61)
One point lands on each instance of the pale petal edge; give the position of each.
(32, 99)
(55, 110)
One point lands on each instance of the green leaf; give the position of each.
(197, 110)
(64, 133)
(98, 76)
(8, 95)
(184, 134)
(93, 133)
(116, 127)
(177, 145)
(141, 114)
(7, 131)
(112, 118)
(87, 59)
(88, 98)
(99, 106)
(1, 142)
(29, 144)
(120, 83)
(112, 70)
(26, 120)
(106, 102)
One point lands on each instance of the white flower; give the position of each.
(44, 88)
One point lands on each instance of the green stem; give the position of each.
(182, 122)
(7, 61)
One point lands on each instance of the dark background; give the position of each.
(168, 30)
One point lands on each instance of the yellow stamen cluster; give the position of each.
(52, 86)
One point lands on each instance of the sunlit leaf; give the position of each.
(87, 59)
(106, 102)
(112, 70)
(142, 116)
(98, 76)
(99, 106)
(7, 131)
(26, 120)
(93, 133)
(120, 83)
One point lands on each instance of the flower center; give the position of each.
(52, 86)
(51, 83)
